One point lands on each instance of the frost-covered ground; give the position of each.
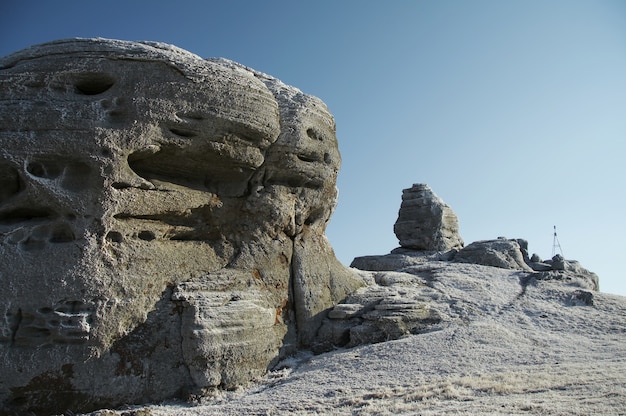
(508, 345)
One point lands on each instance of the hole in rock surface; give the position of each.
(183, 132)
(121, 185)
(314, 134)
(25, 214)
(146, 235)
(115, 236)
(32, 244)
(74, 175)
(9, 182)
(309, 158)
(47, 170)
(191, 116)
(62, 233)
(77, 176)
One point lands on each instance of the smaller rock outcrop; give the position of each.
(399, 258)
(568, 271)
(394, 304)
(558, 262)
(404, 295)
(502, 253)
(425, 222)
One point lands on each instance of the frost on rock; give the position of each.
(425, 222)
(162, 226)
(162, 223)
(405, 295)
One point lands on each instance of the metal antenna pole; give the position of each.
(555, 244)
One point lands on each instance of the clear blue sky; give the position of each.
(514, 112)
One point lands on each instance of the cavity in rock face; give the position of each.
(162, 223)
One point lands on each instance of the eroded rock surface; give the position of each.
(400, 298)
(502, 252)
(425, 222)
(393, 304)
(405, 294)
(162, 223)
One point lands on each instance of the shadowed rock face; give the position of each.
(162, 223)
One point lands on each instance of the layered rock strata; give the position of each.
(425, 222)
(502, 252)
(162, 223)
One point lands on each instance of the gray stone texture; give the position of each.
(162, 233)
(425, 222)
(569, 272)
(502, 252)
(399, 258)
(393, 305)
(162, 223)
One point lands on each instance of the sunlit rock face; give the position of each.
(502, 252)
(425, 222)
(162, 223)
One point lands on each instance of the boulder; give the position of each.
(425, 222)
(502, 253)
(162, 224)
(540, 266)
(558, 262)
(400, 258)
(537, 264)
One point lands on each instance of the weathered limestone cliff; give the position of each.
(162, 223)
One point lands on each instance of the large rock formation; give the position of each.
(425, 222)
(162, 224)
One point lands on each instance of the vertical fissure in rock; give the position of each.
(291, 289)
(16, 325)
(178, 309)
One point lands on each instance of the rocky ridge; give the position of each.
(399, 299)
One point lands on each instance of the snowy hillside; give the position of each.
(507, 343)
